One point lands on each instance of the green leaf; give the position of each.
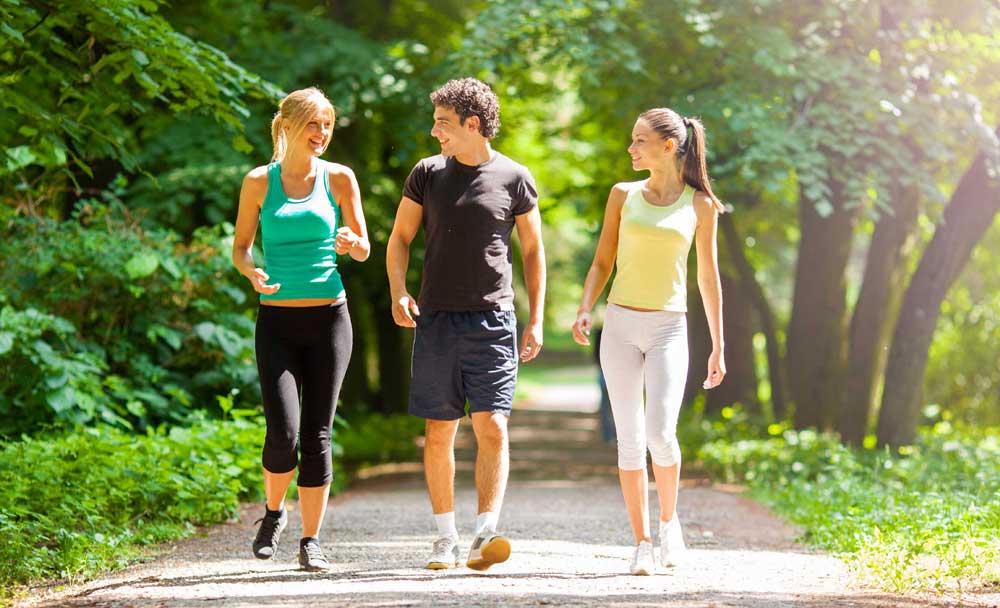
(241, 144)
(205, 330)
(20, 156)
(140, 57)
(171, 267)
(142, 265)
(62, 399)
(6, 341)
(824, 209)
(12, 32)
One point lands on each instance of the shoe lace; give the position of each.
(668, 536)
(443, 545)
(313, 552)
(643, 552)
(268, 531)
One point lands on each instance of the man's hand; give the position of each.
(531, 342)
(404, 308)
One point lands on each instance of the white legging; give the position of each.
(650, 346)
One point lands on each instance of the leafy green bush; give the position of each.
(149, 324)
(44, 362)
(925, 516)
(375, 438)
(85, 501)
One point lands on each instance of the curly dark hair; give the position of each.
(471, 97)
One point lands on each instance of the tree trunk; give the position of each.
(817, 329)
(966, 219)
(740, 384)
(877, 309)
(752, 289)
(357, 389)
(395, 347)
(892, 244)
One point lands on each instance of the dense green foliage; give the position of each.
(127, 126)
(104, 321)
(923, 517)
(76, 77)
(87, 501)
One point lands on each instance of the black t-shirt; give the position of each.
(468, 215)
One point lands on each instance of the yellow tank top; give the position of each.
(653, 247)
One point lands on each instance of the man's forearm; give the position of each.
(534, 278)
(397, 258)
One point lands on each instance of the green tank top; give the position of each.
(653, 247)
(298, 237)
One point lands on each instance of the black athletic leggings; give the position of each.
(307, 350)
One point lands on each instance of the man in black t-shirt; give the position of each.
(468, 200)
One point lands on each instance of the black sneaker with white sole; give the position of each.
(266, 543)
(311, 556)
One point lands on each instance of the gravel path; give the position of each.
(563, 513)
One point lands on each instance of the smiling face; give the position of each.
(315, 134)
(648, 149)
(455, 138)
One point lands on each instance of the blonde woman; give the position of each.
(648, 230)
(309, 211)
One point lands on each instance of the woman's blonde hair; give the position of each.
(294, 113)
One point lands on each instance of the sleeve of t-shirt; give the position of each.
(413, 188)
(525, 194)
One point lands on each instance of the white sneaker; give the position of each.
(643, 563)
(445, 554)
(487, 549)
(672, 547)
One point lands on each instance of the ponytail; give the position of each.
(279, 138)
(690, 137)
(695, 169)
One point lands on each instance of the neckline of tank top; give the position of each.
(687, 192)
(320, 172)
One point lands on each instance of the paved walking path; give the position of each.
(565, 517)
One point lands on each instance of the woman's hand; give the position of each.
(259, 281)
(581, 328)
(716, 370)
(346, 240)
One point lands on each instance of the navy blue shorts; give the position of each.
(463, 356)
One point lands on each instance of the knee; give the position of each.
(281, 440)
(439, 435)
(280, 451)
(491, 432)
(664, 449)
(315, 441)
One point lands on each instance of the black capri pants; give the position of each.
(302, 350)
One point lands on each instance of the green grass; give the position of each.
(80, 503)
(923, 517)
(87, 501)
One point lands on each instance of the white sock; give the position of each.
(446, 524)
(487, 521)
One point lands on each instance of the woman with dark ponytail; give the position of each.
(649, 226)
